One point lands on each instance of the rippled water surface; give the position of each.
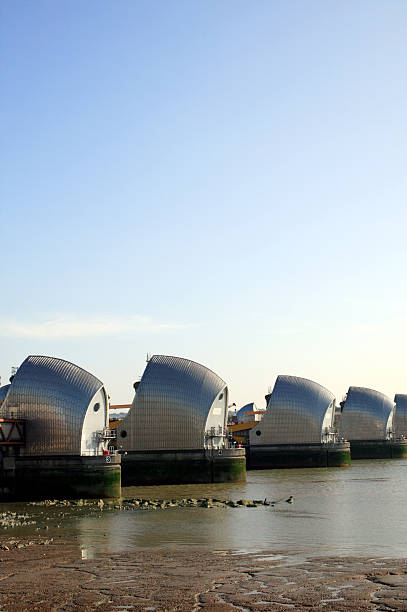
(359, 510)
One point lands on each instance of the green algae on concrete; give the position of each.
(399, 449)
(378, 449)
(65, 477)
(281, 456)
(338, 455)
(229, 466)
(149, 468)
(370, 449)
(183, 467)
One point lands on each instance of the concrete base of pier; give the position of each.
(183, 467)
(68, 477)
(378, 449)
(399, 449)
(299, 456)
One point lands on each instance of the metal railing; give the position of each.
(217, 438)
(330, 435)
(96, 452)
(106, 434)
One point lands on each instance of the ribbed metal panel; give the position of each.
(172, 405)
(366, 415)
(242, 415)
(3, 392)
(53, 396)
(295, 413)
(400, 416)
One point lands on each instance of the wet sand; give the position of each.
(43, 574)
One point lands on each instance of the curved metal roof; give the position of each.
(3, 392)
(295, 413)
(400, 415)
(172, 405)
(53, 396)
(366, 415)
(242, 412)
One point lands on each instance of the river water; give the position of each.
(354, 511)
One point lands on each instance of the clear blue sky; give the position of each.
(219, 180)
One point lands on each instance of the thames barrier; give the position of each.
(59, 440)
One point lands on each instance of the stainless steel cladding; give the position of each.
(248, 413)
(179, 405)
(298, 411)
(63, 406)
(242, 415)
(366, 415)
(400, 415)
(3, 392)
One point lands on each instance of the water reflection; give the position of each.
(336, 511)
(357, 511)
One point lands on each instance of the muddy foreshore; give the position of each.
(44, 575)
(41, 570)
